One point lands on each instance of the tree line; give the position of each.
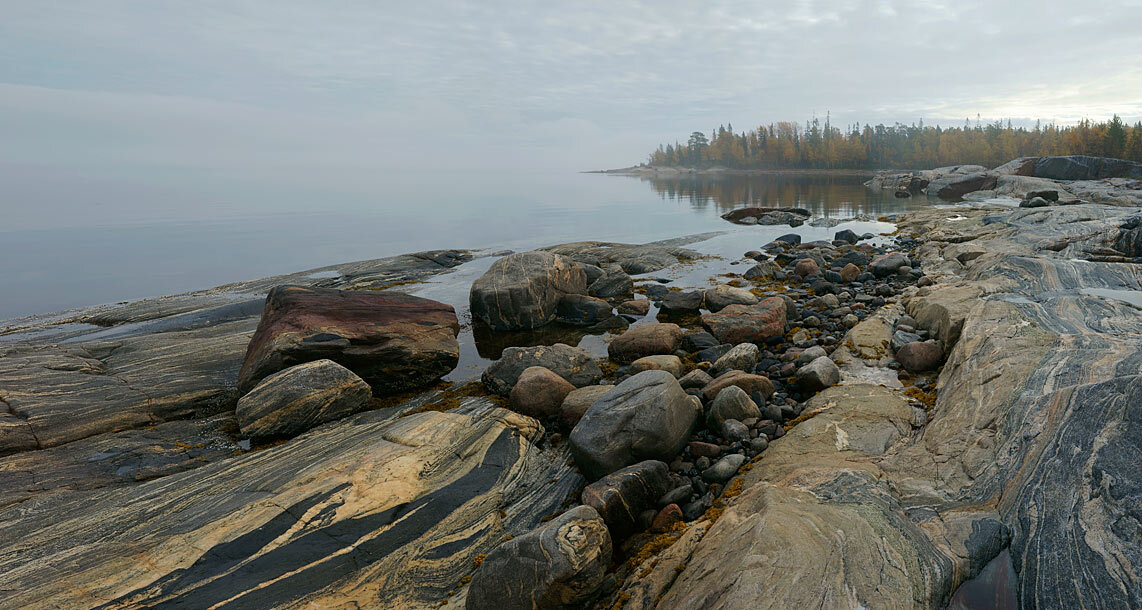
(787, 145)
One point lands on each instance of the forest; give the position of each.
(788, 145)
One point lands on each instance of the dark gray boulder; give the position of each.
(681, 302)
(620, 496)
(847, 235)
(523, 290)
(646, 417)
(614, 283)
(1081, 167)
(582, 310)
(301, 397)
(1034, 202)
(956, 186)
(570, 363)
(1049, 195)
(730, 403)
(887, 264)
(819, 374)
(559, 565)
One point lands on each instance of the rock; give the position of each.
(956, 187)
(768, 216)
(1037, 202)
(656, 292)
(631, 258)
(394, 341)
(700, 449)
(646, 340)
(696, 378)
(849, 273)
(539, 392)
(761, 271)
(711, 354)
(523, 290)
(730, 403)
(819, 374)
(902, 194)
(722, 296)
(577, 401)
(666, 518)
(920, 356)
(301, 397)
(810, 355)
(582, 310)
(724, 469)
(847, 235)
(901, 338)
(1023, 166)
(637, 307)
(646, 417)
(746, 381)
(570, 363)
(559, 565)
(680, 302)
(748, 323)
(620, 496)
(806, 267)
(593, 272)
(613, 284)
(1049, 195)
(678, 495)
(733, 431)
(1079, 167)
(759, 444)
(887, 264)
(698, 340)
(668, 363)
(790, 238)
(743, 357)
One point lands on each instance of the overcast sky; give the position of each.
(272, 85)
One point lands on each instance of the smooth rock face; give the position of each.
(1079, 167)
(646, 417)
(819, 374)
(920, 356)
(681, 302)
(559, 565)
(958, 186)
(743, 357)
(394, 341)
(748, 323)
(522, 290)
(731, 403)
(746, 381)
(620, 496)
(647, 340)
(670, 364)
(570, 363)
(539, 392)
(577, 401)
(722, 296)
(292, 401)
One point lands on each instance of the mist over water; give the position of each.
(110, 242)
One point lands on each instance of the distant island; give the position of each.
(815, 146)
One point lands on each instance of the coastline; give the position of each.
(674, 172)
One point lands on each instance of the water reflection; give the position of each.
(829, 195)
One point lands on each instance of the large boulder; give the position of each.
(522, 290)
(570, 363)
(819, 374)
(748, 323)
(956, 186)
(559, 565)
(301, 397)
(1023, 166)
(582, 310)
(539, 392)
(731, 403)
(577, 401)
(920, 356)
(646, 340)
(743, 357)
(1080, 167)
(612, 284)
(620, 496)
(722, 296)
(646, 417)
(394, 341)
(887, 264)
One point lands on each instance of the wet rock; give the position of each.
(577, 401)
(646, 340)
(681, 302)
(746, 381)
(887, 264)
(722, 296)
(559, 565)
(666, 518)
(613, 284)
(849, 273)
(920, 356)
(806, 267)
(301, 397)
(712, 354)
(656, 292)
(743, 357)
(637, 307)
(648, 416)
(678, 495)
(724, 469)
(621, 496)
(730, 403)
(570, 363)
(762, 271)
(394, 341)
(582, 310)
(696, 378)
(539, 392)
(748, 323)
(523, 290)
(790, 238)
(593, 272)
(900, 338)
(819, 374)
(847, 235)
(668, 363)
(695, 341)
(768, 216)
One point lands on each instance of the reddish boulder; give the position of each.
(806, 267)
(647, 340)
(394, 341)
(850, 272)
(748, 323)
(747, 381)
(539, 392)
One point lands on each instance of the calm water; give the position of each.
(122, 240)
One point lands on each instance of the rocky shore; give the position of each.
(944, 416)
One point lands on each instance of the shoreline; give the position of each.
(673, 172)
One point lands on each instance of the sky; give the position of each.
(267, 88)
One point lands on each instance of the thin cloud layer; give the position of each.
(262, 86)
